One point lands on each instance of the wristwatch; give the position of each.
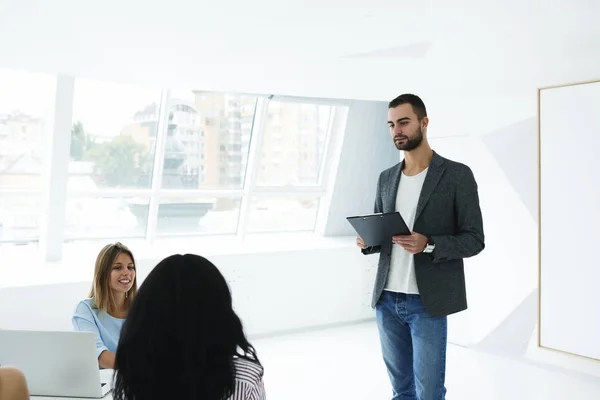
(430, 246)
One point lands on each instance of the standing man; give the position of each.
(420, 278)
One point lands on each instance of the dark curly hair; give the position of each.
(181, 335)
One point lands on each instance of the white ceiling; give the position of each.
(333, 48)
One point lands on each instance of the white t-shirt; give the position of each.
(401, 277)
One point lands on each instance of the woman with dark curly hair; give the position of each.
(182, 339)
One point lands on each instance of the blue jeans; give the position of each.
(413, 345)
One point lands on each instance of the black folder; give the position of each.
(377, 229)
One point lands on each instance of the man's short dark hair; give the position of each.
(415, 101)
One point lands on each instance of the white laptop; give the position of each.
(61, 364)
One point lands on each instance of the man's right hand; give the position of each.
(360, 243)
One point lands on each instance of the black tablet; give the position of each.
(377, 229)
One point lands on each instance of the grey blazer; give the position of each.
(447, 211)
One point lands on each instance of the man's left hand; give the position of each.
(413, 243)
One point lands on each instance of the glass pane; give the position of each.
(207, 140)
(282, 214)
(293, 144)
(90, 217)
(26, 112)
(200, 215)
(19, 218)
(113, 137)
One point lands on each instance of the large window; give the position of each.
(26, 112)
(150, 163)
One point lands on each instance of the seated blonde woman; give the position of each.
(104, 312)
(12, 384)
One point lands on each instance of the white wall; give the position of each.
(367, 150)
(503, 156)
(499, 278)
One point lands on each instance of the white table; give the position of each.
(107, 397)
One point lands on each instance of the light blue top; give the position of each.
(107, 329)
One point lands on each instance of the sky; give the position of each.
(105, 108)
(28, 92)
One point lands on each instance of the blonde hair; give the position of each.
(101, 292)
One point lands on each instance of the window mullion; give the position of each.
(325, 159)
(337, 127)
(158, 167)
(258, 129)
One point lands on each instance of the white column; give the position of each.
(57, 171)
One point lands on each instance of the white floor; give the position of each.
(345, 363)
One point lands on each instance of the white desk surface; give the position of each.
(107, 397)
(105, 376)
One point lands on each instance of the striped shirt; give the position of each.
(248, 381)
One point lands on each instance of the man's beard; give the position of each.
(411, 143)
